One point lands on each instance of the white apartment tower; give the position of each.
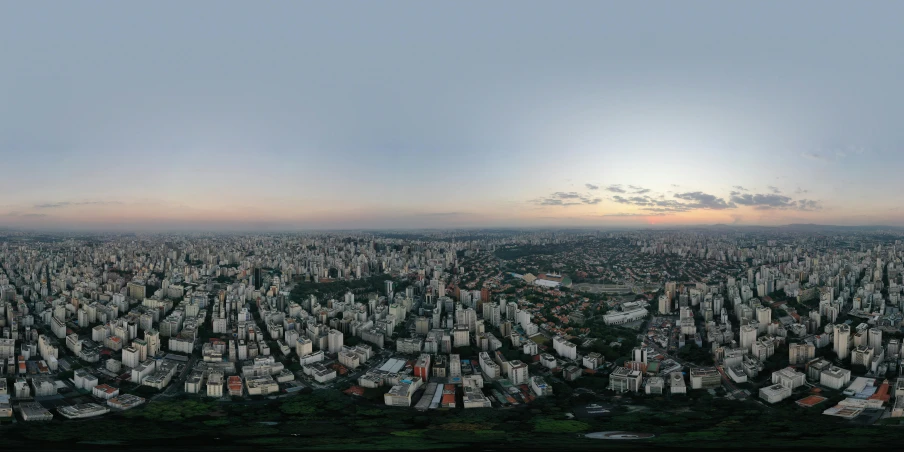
(842, 341)
(336, 340)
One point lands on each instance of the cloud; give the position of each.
(616, 189)
(739, 188)
(702, 200)
(53, 205)
(24, 215)
(56, 205)
(774, 189)
(592, 187)
(775, 201)
(808, 205)
(633, 214)
(768, 201)
(638, 190)
(652, 204)
(563, 199)
(800, 191)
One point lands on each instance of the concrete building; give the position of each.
(215, 384)
(705, 378)
(842, 341)
(775, 393)
(34, 412)
(564, 348)
(131, 357)
(623, 380)
(801, 353)
(789, 377)
(835, 377)
(677, 384)
(422, 367)
(105, 391)
(593, 360)
(748, 337)
(540, 387)
(335, 341)
(518, 373)
(655, 386)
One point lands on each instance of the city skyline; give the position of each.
(412, 115)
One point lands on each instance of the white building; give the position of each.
(789, 377)
(775, 393)
(835, 377)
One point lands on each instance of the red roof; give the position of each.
(355, 390)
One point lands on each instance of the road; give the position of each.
(730, 387)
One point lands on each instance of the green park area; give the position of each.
(328, 419)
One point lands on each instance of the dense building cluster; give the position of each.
(99, 323)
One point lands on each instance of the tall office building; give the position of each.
(388, 289)
(256, 276)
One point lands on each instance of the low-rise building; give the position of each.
(835, 377)
(623, 380)
(82, 411)
(540, 387)
(655, 386)
(775, 393)
(705, 378)
(789, 377)
(105, 391)
(677, 384)
(32, 411)
(125, 401)
(593, 360)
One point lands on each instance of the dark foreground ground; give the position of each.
(329, 420)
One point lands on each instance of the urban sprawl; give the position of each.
(97, 324)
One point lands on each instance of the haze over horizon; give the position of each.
(280, 115)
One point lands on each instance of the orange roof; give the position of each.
(448, 398)
(810, 401)
(882, 393)
(355, 390)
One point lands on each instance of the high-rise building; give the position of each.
(639, 354)
(748, 337)
(152, 337)
(257, 278)
(335, 341)
(131, 357)
(875, 339)
(665, 305)
(842, 340)
(801, 353)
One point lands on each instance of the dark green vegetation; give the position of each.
(329, 419)
(304, 290)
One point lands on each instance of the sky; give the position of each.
(412, 114)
